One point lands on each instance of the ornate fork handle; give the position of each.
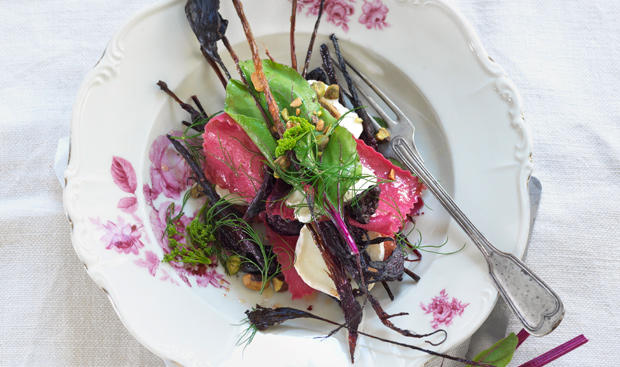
(537, 306)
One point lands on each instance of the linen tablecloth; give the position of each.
(564, 56)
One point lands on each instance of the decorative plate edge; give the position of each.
(108, 67)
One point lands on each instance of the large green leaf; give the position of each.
(500, 354)
(341, 160)
(240, 105)
(286, 85)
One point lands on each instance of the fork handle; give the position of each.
(533, 302)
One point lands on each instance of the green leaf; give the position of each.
(340, 155)
(241, 107)
(286, 85)
(500, 354)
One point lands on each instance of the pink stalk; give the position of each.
(556, 352)
(523, 334)
(339, 222)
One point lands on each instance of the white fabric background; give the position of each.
(564, 55)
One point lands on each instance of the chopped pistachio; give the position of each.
(296, 102)
(332, 92)
(319, 113)
(382, 134)
(233, 263)
(279, 285)
(320, 125)
(254, 282)
(196, 192)
(319, 88)
(285, 113)
(321, 141)
(283, 162)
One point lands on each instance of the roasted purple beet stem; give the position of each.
(257, 204)
(312, 38)
(368, 135)
(292, 35)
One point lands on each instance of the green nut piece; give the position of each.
(319, 88)
(382, 134)
(332, 92)
(321, 141)
(233, 263)
(285, 114)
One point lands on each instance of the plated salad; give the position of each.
(297, 197)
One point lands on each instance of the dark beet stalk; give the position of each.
(368, 135)
(384, 317)
(263, 318)
(388, 290)
(312, 38)
(327, 64)
(258, 69)
(285, 227)
(257, 204)
(195, 114)
(350, 307)
(413, 275)
(292, 35)
(269, 54)
(215, 68)
(199, 105)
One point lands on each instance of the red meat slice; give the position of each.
(399, 198)
(232, 160)
(284, 248)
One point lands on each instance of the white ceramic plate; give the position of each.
(469, 128)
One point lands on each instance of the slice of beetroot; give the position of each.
(284, 248)
(399, 198)
(232, 160)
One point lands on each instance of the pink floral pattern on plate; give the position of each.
(170, 176)
(443, 309)
(339, 12)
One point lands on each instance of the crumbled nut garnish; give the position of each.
(319, 113)
(256, 82)
(232, 264)
(332, 92)
(329, 107)
(279, 285)
(289, 124)
(297, 111)
(284, 113)
(296, 102)
(320, 125)
(254, 282)
(283, 162)
(321, 141)
(319, 88)
(382, 134)
(196, 192)
(392, 174)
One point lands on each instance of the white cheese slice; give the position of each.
(350, 121)
(231, 197)
(311, 267)
(297, 200)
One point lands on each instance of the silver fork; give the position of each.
(536, 305)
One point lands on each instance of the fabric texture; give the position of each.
(562, 55)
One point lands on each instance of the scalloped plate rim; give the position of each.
(107, 60)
